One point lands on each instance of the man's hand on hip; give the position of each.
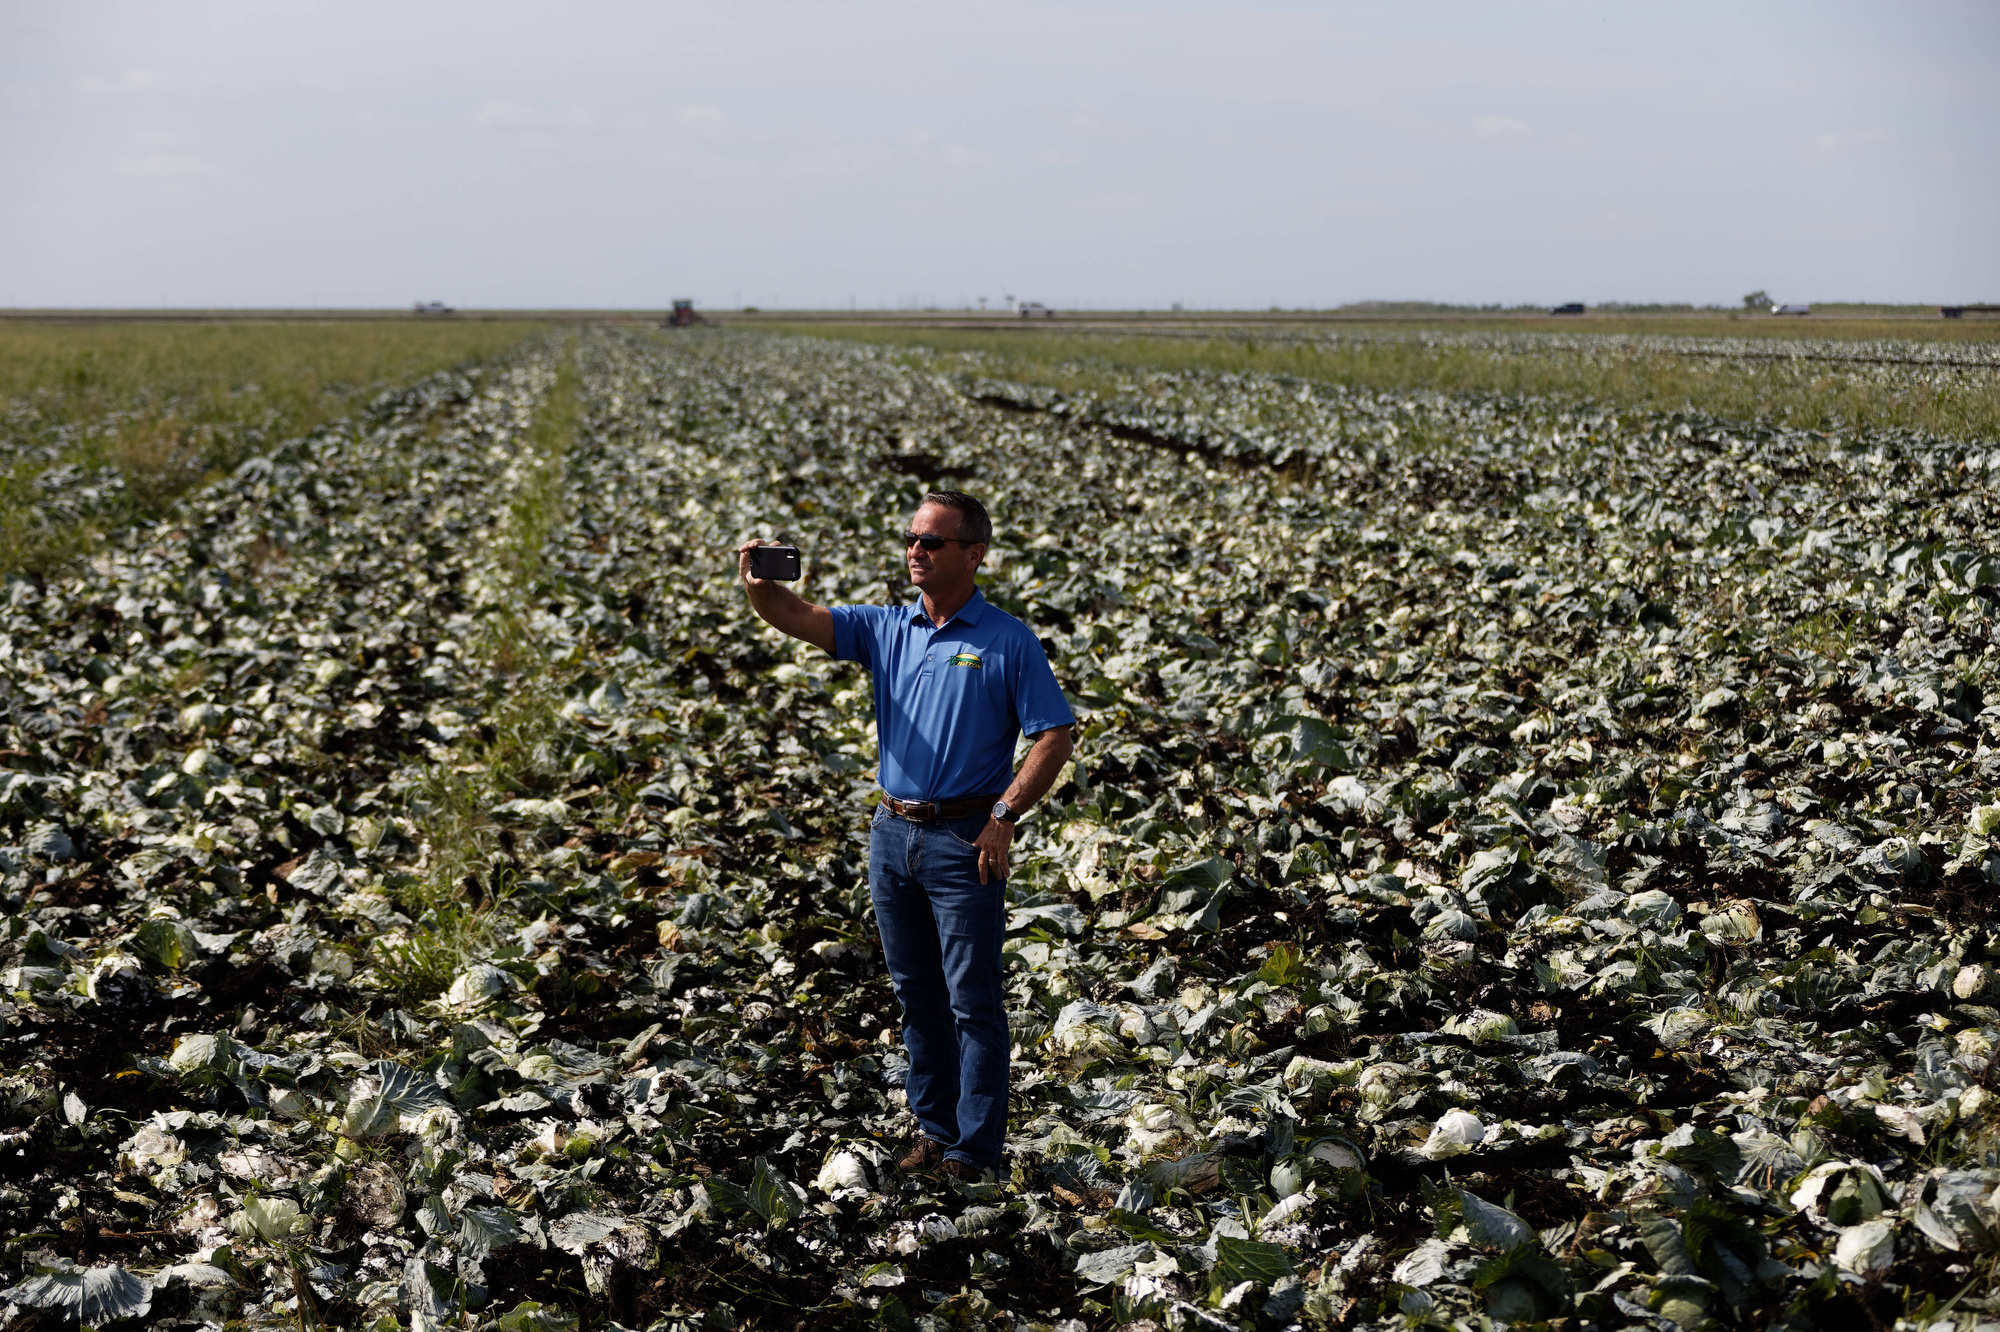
(993, 843)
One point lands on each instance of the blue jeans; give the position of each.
(941, 934)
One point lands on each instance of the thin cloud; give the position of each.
(20, 99)
(131, 81)
(710, 166)
(1615, 224)
(701, 115)
(523, 116)
(929, 146)
(166, 166)
(1116, 201)
(959, 155)
(1091, 121)
(1402, 177)
(157, 138)
(1841, 145)
(1499, 127)
(505, 115)
(1846, 229)
(1366, 206)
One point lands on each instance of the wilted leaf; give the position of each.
(269, 1220)
(92, 1295)
(483, 1229)
(774, 1197)
(1239, 1260)
(1109, 1265)
(389, 1096)
(1493, 1227)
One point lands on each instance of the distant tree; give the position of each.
(1757, 300)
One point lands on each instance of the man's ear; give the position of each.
(978, 550)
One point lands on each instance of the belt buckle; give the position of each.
(920, 811)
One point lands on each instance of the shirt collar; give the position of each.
(969, 613)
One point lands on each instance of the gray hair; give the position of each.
(973, 524)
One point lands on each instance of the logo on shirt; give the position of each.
(965, 659)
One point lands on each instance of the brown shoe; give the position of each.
(924, 1156)
(964, 1171)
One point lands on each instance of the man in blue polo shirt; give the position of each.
(957, 681)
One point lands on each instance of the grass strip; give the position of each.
(1951, 402)
(512, 752)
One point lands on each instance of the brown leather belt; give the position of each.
(930, 811)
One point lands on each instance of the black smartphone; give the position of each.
(775, 562)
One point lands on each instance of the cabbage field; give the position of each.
(1524, 861)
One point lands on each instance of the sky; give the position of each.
(218, 153)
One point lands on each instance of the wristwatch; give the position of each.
(1002, 814)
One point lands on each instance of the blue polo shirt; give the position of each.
(950, 702)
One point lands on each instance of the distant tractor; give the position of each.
(1568, 308)
(426, 308)
(683, 316)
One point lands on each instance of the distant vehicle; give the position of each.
(1035, 309)
(1791, 309)
(1571, 307)
(1961, 311)
(432, 308)
(683, 316)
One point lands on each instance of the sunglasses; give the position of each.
(929, 542)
